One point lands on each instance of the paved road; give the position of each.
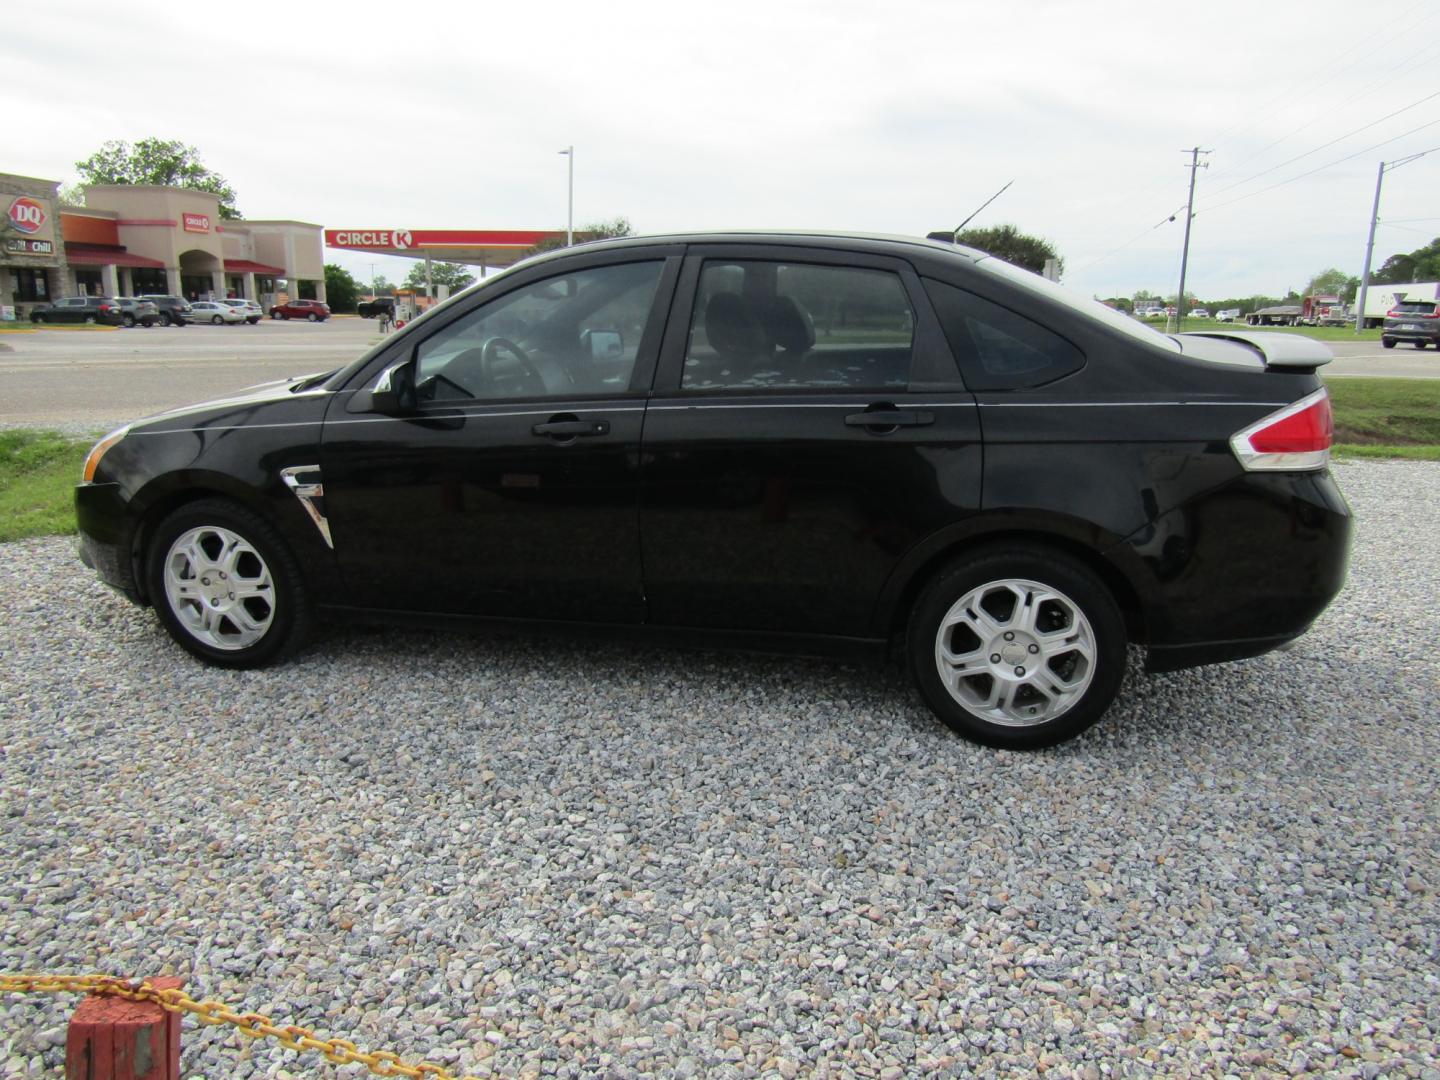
(100, 378)
(59, 377)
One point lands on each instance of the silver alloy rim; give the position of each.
(1015, 652)
(219, 588)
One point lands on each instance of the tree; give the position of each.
(453, 276)
(1334, 282)
(1119, 303)
(1008, 243)
(1422, 264)
(381, 286)
(596, 230)
(156, 161)
(341, 290)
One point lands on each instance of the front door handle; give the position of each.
(890, 418)
(572, 429)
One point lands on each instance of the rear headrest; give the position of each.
(789, 325)
(732, 329)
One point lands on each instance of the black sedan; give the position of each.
(852, 444)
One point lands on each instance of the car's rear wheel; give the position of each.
(1389, 343)
(1419, 344)
(225, 586)
(129, 320)
(216, 319)
(1018, 647)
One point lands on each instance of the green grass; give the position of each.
(1319, 333)
(38, 474)
(1379, 413)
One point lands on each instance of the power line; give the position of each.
(1322, 146)
(1322, 168)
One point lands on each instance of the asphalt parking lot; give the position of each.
(527, 858)
(99, 379)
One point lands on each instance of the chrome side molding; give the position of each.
(307, 493)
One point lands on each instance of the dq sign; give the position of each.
(27, 215)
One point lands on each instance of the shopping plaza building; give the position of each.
(136, 240)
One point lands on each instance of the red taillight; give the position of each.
(1392, 314)
(1296, 437)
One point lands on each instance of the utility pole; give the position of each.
(1194, 153)
(1374, 217)
(1369, 251)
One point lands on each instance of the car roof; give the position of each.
(878, 242)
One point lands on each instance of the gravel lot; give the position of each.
(572, 859)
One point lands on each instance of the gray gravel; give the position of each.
(573, 859)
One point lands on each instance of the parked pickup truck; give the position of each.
(381, 305)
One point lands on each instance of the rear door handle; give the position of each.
(572, 429)
(890, 418)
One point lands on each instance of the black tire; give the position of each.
(1074, 583)
(1389, 343)
(1419, 344)
(216, 320)
(313, 317)
(290, 616)
(37, 318)
(129, 320)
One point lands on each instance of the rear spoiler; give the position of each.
(1278, 350)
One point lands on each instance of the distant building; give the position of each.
(130, 240)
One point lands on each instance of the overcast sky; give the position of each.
(898, 117)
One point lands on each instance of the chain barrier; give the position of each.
(251, 1024)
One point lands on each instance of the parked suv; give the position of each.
(381, 305)
(818, 442)
(313, 310)
(253, 312)
(1415, 321)
(174, 310)
(79, 309)
(136, 312)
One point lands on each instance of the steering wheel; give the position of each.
(490, 353)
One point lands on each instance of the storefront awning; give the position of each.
(245, 266)
(100, 255)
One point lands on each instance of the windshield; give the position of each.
(1093, 308)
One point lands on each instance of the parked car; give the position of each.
(313, 310)
(253, 311)
(1227, 315)
(368, 309)
(137, 312)
(819, 442)
(174, 310)
(1415, 321)
(78, 309)
(214, 311)
(1199, 313)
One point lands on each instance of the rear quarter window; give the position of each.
(997, 348)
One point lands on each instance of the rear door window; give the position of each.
(765, 325)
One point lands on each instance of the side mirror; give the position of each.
(393, 393)
(604, 345)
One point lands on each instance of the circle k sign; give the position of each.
(27, 215)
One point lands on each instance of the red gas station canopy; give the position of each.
(479, 247)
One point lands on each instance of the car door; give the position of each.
(510, 487)
(70, 309)
(809, 427)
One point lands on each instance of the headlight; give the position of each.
(92, 459)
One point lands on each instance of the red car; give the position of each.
(313, 310)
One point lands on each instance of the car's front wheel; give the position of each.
(129, 320)
(1017, 647)
(1389, 343)
(313, 317)
(225, 586)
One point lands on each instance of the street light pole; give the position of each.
(569, 152)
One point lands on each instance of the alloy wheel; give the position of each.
(1015, 652)
(219, 588)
